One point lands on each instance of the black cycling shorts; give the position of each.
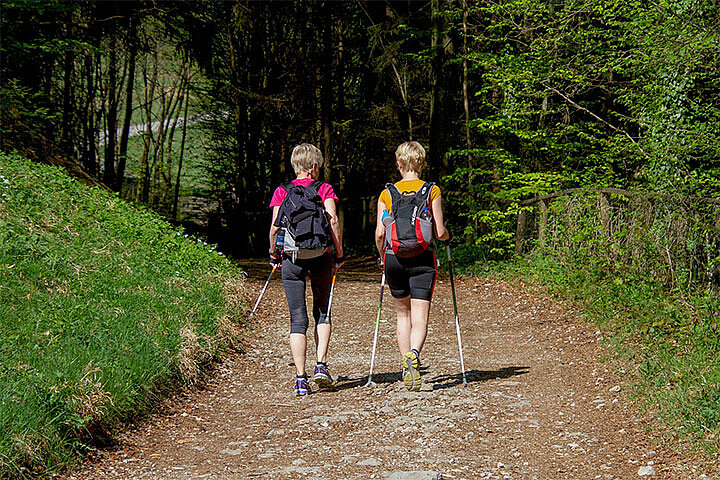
(411, 276)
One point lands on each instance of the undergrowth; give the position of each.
(103, 308)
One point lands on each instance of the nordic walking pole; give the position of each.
(262, 292)
(332, 290)
(457, 320)
(377, 327)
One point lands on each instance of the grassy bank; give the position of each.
(103, 308)
(672, 339)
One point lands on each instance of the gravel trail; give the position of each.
(539, 404)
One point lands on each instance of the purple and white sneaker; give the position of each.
(322, 377)
(302, 387)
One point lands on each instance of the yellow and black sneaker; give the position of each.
(411, 371)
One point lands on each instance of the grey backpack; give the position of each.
(304, 219)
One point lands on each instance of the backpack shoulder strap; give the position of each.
(315, 186)
(288, 187)
(393, 190)
(395, 196)
(425, 191)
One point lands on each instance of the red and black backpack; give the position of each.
(410, 231)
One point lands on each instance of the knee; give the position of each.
(298, 321)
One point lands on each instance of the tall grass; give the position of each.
(103, 306)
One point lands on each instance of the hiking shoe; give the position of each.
(302, 387)
(322, 377)
(411, 372)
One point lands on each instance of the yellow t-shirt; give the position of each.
(408, 186)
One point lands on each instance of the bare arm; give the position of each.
(380, 229)
(273, 232)
(335, 231)
(441, 231)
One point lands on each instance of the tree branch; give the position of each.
(602, 120)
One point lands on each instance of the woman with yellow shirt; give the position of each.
(409, 265)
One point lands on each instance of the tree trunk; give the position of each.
(180, 160)
(542, 225)
(466, 106)
(520, 231)
(326, 94)
(437, 84)
(402, 81)
(67, 100)
(339, 116)
(466, 100)
(112, 113)
(124, 136)
(143, 192)
(88, 120)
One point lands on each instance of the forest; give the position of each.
(613, 106)
(512, 100)
(576, 144)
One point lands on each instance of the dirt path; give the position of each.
(539, 404)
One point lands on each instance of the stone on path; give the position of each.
(648, 471)
(415, 476)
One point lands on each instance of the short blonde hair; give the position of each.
(304, 156)
(410, 157)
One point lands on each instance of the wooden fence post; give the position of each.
(542, 227)
(605, 212)
(520, 231)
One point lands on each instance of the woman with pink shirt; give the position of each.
(317, 264)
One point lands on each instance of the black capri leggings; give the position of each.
(319, 269)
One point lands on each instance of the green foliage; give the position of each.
(586, 94)
(465, 256)
(673, 340)
(99, 306)
(560, 94)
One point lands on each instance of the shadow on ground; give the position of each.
(447, 381)
(438, 382)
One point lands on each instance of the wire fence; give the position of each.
(673, 238)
